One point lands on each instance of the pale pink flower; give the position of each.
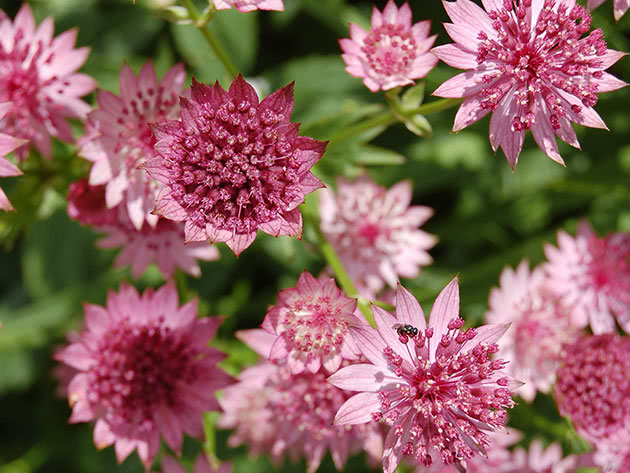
(593, 385)
(170, 465)
(540, 325)
(620, 6)
(119, 140)
(144, 371)
(592, 275)
(613, 454)
(312, 322)
(393, 52)
(436, 387)
(38, 76)
(527, 62)
(232, 165)
(245, 6)
(8, 143)
(375, 232)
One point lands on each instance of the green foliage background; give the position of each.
(485, 216)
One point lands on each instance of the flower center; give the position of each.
(370, 232)
(390, 49)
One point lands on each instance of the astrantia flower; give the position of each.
(621, 6)
(540, 325)
(393, 52)
(144, 371)
(436, 387)
(528, 62)
(375, 232)
(593, 386)
(86, 205)
(592, 275)
(279, 413)
(7, 144)
(118, 139)
(232, 165)
(245, 6)
(38, 76)
(312, 322)
(170, 465)
(613, 453)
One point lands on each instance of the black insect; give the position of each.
(406, 330)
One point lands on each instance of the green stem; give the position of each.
(433, 107)
(219, 51)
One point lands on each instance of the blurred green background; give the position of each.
(486, 217)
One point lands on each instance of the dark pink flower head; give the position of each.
(375, 232)
(312, 322)
(232, 165)
(245, 6)
(86, 205)
(620, 6)
(38, 76)
(119, 140)
(274, 411)
(529, 62)
(540, 324)
(170, 465)
(592, 275)
(393, 52)
(144, 371)
(593, 385)
(8, 143)
(436, 387)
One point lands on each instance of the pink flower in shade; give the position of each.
(170, 465)
(118, 139)
(375, 232)
(232, 165)
(7, 144)
(86, 205)
(38, 76)
(621, 7)
(527, 62)
(593, 385)
(393, 52)
(436, 387)
(245, 6)
(144, 371)
(592, 275)
(312, 322)
(540, 325)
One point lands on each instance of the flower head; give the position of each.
(38, 76)
(119, 140)
(528, 62)
(592, 275)
(144, 371)
(375, 232)
(593, 386)
(393, 52)
(170, 465)
(232, 165)
(7, 144)
(312, 322)
(540, 325)
(620, 6)
(436, 387)
(245, 6)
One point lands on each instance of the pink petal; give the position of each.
(408, 310)
(385, 322)
(363, 377)
(445, 308)
(259, 340)
(358, 409)
(240, 241)
(455, 56)
(370, 343)
(469, 112)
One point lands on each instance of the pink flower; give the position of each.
(592, 275)
(144, 371)
(38, 76)
(375, 232)
(232, 166)
(540, 325)
(621, 6)
(86, 205)
(393, 52)
(527, 62)
(7, 144)
(593, 386)
(170, 465)
(312, 322)
(245, 6)
(118, 139)
(436, 387)
(613, 453)
(275, 411)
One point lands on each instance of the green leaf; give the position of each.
(370, 155)
(419, 125)
(413, 97)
